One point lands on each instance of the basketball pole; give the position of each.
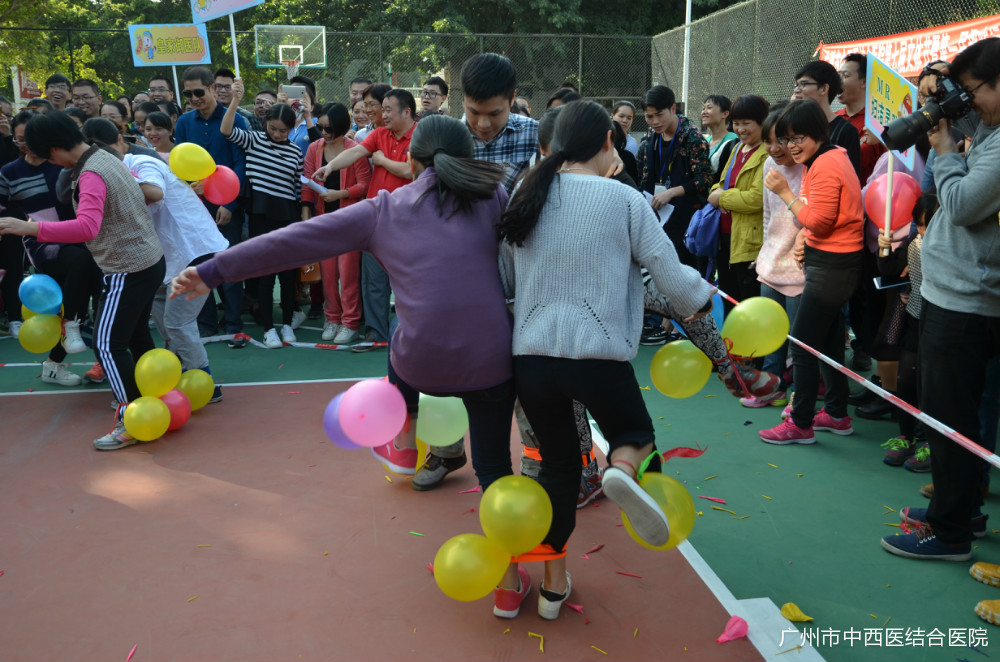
(236, 57)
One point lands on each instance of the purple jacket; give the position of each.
(454, 329)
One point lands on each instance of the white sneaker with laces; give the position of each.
(271, 339)
(117, 438)
(58, 373)
(330, 330)
(287, 335)
(549, 609)
(14, 329)
(346, 335)
(72, 342)
(298, 317)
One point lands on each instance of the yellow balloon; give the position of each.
(40, 333)
(157, 372)
(516, 513)
(468, 567)
(191, 162)
(757, 326)
(147, 418)
(421, 452)
(676, 503)
(679, 369)
(27, 313)
(197, 386)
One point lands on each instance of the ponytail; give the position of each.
(525, 207)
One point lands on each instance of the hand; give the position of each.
(941, 139)
(238, 91)
(378, 158)
(4, 125)
(884, 241)
(332, 195)
(928, 84)
(715, 197)
(904, 297)
(699, 315)
(799, 249)
(350, 134)
(661, 199)
(281, 96)
(776, 182)
(198, 187)
(223, 216)
(322, 173)
(18, 227)
(190, 283)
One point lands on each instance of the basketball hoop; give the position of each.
(292, 67)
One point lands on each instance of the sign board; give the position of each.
(27, 88)
(205, 10)
(889, 96)
(157, 45)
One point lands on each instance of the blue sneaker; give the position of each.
(923, 544)
(918, 517)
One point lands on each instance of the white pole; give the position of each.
(177, 88)
(888, 204)
(687, 57)
(236, 57)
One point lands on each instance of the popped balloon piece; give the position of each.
(736, 628)
(791, 611)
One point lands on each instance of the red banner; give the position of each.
(908, 52)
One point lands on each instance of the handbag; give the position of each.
(310, 273)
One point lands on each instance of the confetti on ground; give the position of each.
(430, 566)
(772, 465)
(577, 608)
(202, 545)
(891, 510)
(767, 497)
(700, 514)
(470, 510)
(388, 479)
(715, 499)
(711, 477)
(891, 524)
(709, 396)
(636, 633)
(799, 475)
(474, 489)
(745, 423)
(645, 388)
(727, 434)
(628, 574)
(584, 557)
(1, 573)
(586, 621)
(791, 611)
(541, 641)
(598, 649)
(596, 548)
(725, 510)
(659, 418)
(281, 366)
(414, 533)
(793, 648)
(326, 553)
(193, 597)
(293, 392)
(131, 653)
(887, 621)
(873, 616)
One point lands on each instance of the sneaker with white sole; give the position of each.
(346, 335)
(287, 334)
(58, 373)
(507, 601)
(330, 330)
(918, 517)
(271, 339)
(787, 432)
(117, 438)
(71, 341)
(777, 399)
(826, 423)
(298, 317)
(95, 375)
(14, 330)
(646, 517)
(402, 461)
(550, 604)
(924, 544)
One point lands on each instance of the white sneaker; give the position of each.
(117, 438)
(346, 335)
(72, 342)
(298, 317)
(271, 339)
(549, 609)
(287, 335)
(14, 329)
(58, 373)
(330, 330)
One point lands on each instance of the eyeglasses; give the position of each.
(159, 89)
(198, 92)
(430, 94)
(58, 86)
(88, 97)
(263, 102)
(972, 92)
(793, 140)
(802, 84)
(220, 86)
(325, 128)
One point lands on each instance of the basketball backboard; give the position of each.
(276, 45)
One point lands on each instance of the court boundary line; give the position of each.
(106, 389)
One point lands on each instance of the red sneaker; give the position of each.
(788, 433)
(95, 375)
(400, 461)
(507, 601)
(826, 423)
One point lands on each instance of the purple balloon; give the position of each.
(331, 424)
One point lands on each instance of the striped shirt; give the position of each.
(272, 168)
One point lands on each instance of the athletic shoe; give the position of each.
(117, 438)
(298, 317)
(899, 450)
(927, 490)
(989, 611)
(401, 461)
(434, 469)
(58, 373)
(653, 334)
(918, 517)
(776, 399)
(271, 339)
(71, 341)
(823, 422)
(987, 573)
(923, 544)
(787, 432)
(237, 343)
(330, 330)
(507, 601)
(216, 395)
(287, 334)
(346, 335)
(95, 375)
(549, 603)
(646, 517)
(920, 463)
(591, 489)
(365, 344)
(14, 329)
(787, 411)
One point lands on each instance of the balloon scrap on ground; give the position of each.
(756, 327)
(679, 369)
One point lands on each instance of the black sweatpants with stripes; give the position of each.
(122, 334)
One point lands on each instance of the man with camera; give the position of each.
(960, 326)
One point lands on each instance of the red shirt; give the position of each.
(739, 160)
(394, 149)
(869, 153)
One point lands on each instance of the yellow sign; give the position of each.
(889, 96)
(154, 45)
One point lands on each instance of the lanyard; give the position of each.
(666, 166)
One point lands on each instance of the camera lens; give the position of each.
(902, 132)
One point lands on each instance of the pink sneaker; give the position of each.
(788, 433)
(506, 601)
(826, 423)
(400, 461)
(775, 398)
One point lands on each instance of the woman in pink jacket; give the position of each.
(341, 273)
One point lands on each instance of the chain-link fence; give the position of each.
(756, 47)
(604, 68)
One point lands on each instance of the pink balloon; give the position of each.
(736, 628)
(372, 412)
(222, 186)
(180, 408)
(905, 192)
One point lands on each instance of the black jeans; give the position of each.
(12, 261)
(737, 280)
(831, 279)
(955, 349)
(547, 387)
(261, 225)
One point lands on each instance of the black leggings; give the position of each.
(908, 375)
(12, 261)
(737, 280)
(80, 279)
(259, 225)
(547, 387)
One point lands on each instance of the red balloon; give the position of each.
(179, 406)
(222, 186)
(905, 192)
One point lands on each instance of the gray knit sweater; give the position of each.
(576, 281)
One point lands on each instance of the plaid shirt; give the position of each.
(513, 147)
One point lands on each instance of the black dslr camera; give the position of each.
(949, 101)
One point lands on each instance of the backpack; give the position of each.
(702, 236)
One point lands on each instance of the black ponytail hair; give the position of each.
(445, 144)
(581, 130)
(283, 113)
